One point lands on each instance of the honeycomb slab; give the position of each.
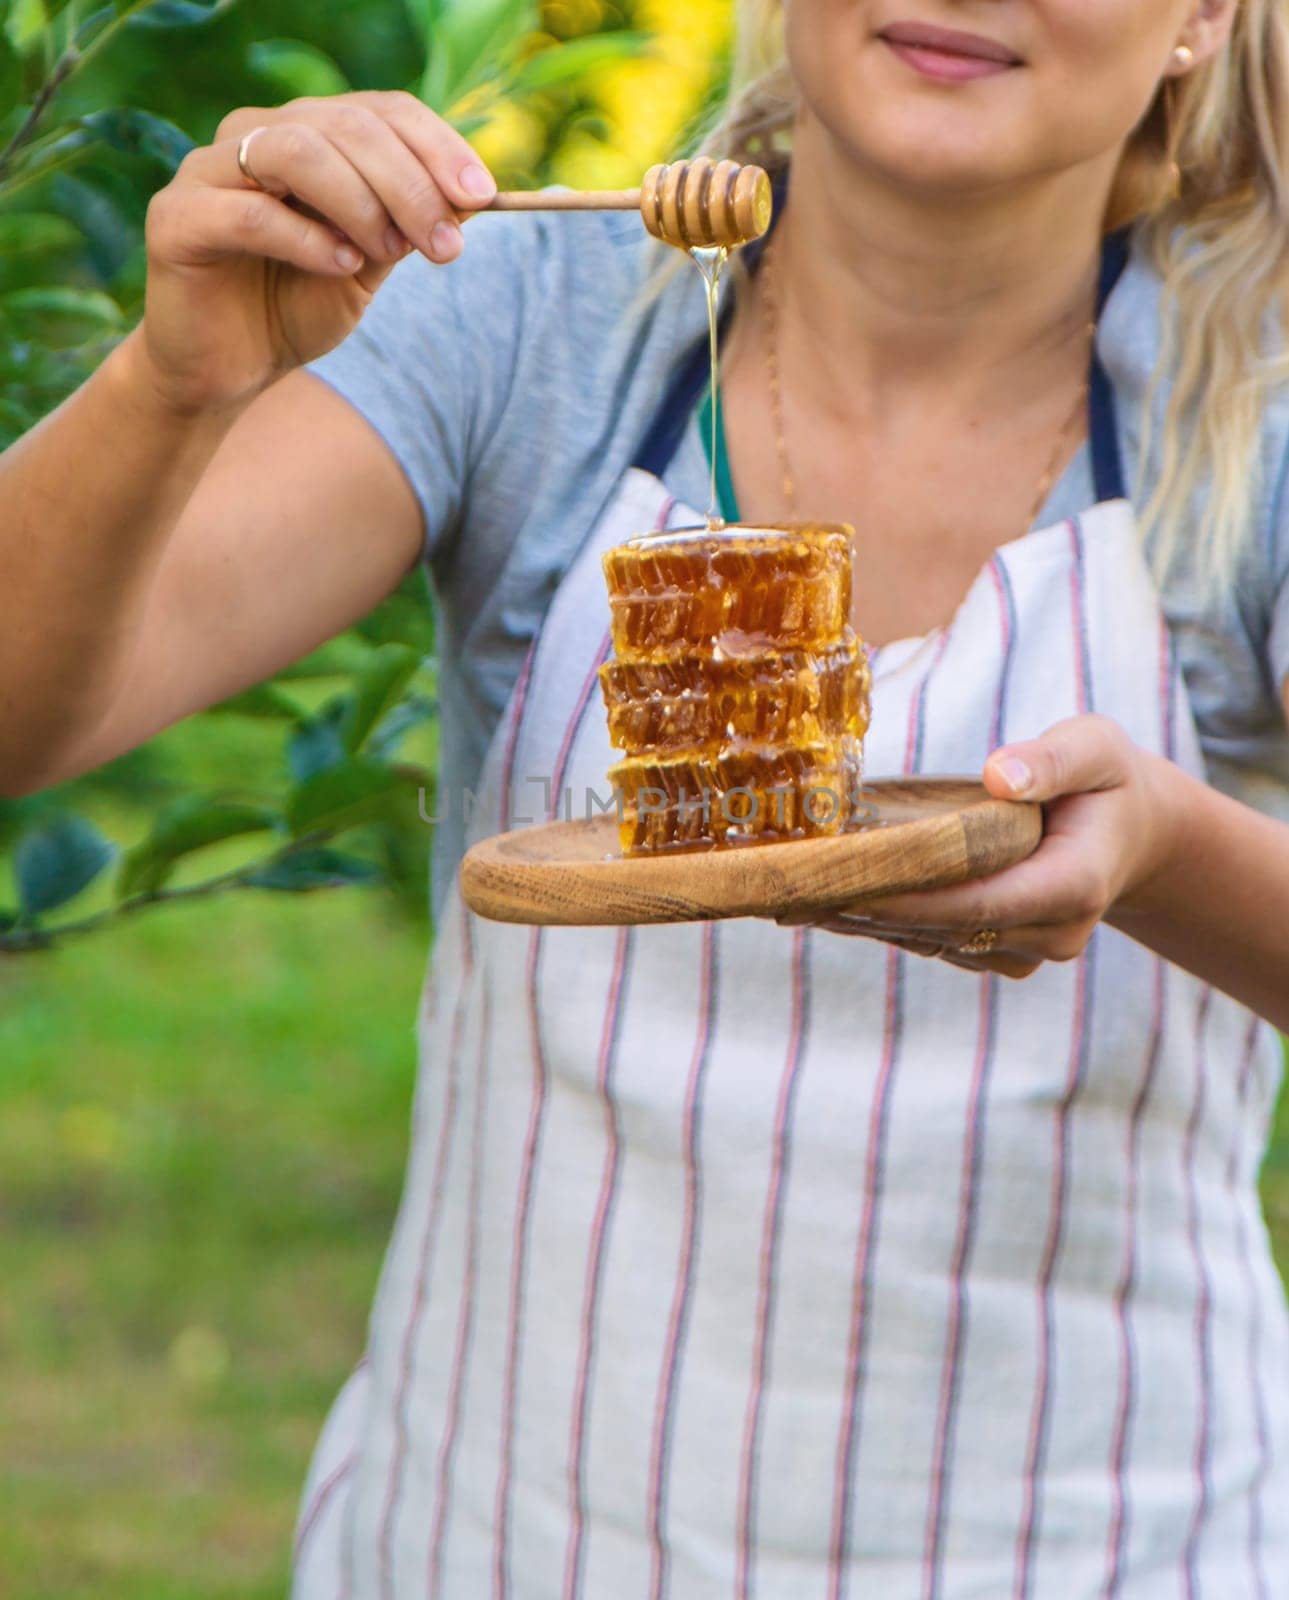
(739, 694)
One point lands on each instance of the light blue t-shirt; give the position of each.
(514, 387)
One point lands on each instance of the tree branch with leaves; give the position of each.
(91, 124)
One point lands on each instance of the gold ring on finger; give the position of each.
(244, 162)
(980, 944)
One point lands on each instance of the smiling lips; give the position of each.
(946, 54)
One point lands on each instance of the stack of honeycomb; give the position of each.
(738, 692)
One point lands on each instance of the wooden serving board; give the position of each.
(926, 833)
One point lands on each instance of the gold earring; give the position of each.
(1171, 142)
(1183, 58)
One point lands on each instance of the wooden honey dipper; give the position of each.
(700, 203)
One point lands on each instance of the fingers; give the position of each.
(945, 947)
(301, 161)
(1062, 882)
(451, 161)
(434, 182)
(1047, 907)
(381, 168)
(242, 119)
(243, 221)
(1005, 963)
(1017, 968)
(1077, 756)
(1031, 945)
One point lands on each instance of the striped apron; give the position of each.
(737, 1260)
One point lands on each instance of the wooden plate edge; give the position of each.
(531, 894)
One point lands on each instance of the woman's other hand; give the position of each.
(1111, 828)
(244, 285)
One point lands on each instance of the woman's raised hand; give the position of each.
(244, 285)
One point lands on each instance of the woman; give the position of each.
(742, 1258)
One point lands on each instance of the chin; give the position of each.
(937, 156)
(926, 136)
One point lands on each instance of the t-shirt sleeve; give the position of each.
(429, 366)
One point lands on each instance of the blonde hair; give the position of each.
(1219, 240)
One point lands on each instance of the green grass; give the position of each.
(203, 1119)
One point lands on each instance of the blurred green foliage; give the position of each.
(98, 105)
(203, 1125)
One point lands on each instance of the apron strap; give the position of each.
(1103, 418)
(660, 444)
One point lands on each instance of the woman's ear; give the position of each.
(1207, 30)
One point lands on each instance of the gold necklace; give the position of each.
(769, 299)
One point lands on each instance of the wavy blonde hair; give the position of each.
(1220, 242)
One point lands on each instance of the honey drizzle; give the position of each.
(735, 672)
(711, 264)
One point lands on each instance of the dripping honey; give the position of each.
(738, 692)
(711, 263)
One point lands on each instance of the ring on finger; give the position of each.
(244, 162)
(980, 944)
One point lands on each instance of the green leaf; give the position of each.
(16, 816)
(307, 870)
(295, 68)
(177, 13)
(566, 63)
(189, 824)
(406, 617)
(110, 231)
(466, 40)
(360, 791)
(378, 690)
(60, 318)
(41, 160)
(11, 119)
(94, 24)
(264, 701)
(26, 22)
(35, 233)
(423, 14)
(390, 732)
(341, 657)
(57, 859)
(34, 15)
(14, 421)
(135, 132)
(318, 744)
(10, 72)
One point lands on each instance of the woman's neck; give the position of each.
(884, 291)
